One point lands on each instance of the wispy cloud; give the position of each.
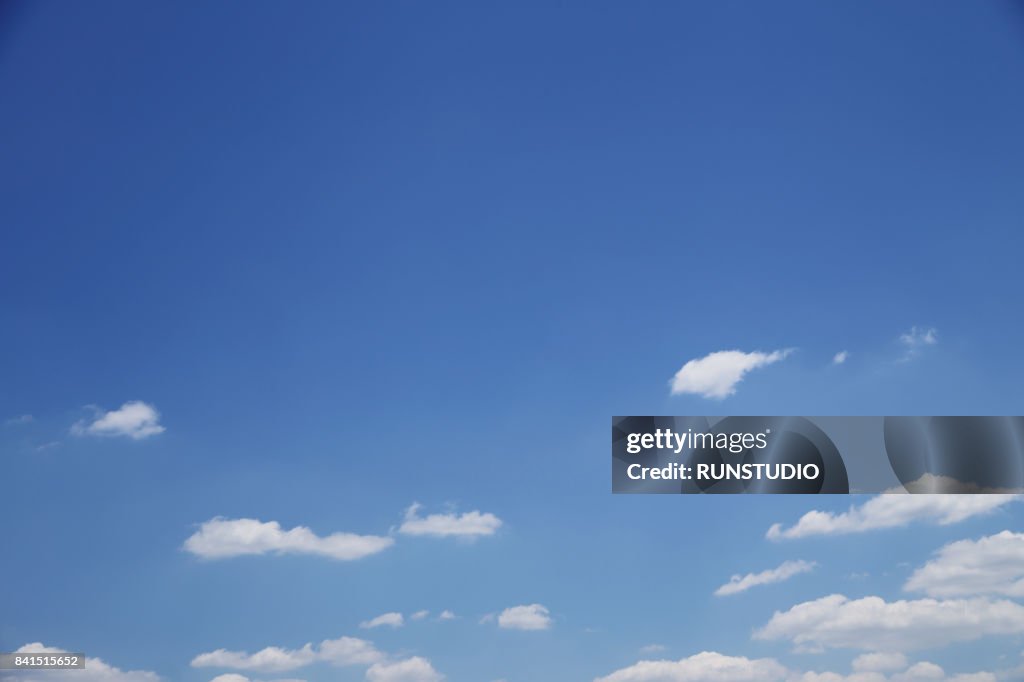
(716, 375)
(19, 420)
(135, 419)
(391, 620)
(840, 357)
(787, 570)
(467, 525)
(916, 339)
(221, 538)
(891, 511)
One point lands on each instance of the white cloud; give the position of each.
(707, 666)
(840, 357)
(96, 670)
(235, 677)
(270, 659)
(343, 651)
(415, 669)
(652, 649)
(891, 511)
(717, 374)
(529, 617)
(873, 624)
(392, 620)
(785, 571)
(920, 337)
(916, 339)
(419, 615)
(880, 662)
(20, 419)
(446, 615)
(710, 666)
(993, 565)
(220, 538)
(468, 525)
(135, 419)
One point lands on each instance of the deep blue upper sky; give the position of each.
(365, 254)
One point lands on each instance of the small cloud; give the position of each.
(135, 419)
(916, 339)
(47, 446)
(530, 617)
(19, 420)
(490, 617)
(881, 662)
(391, 620)
(840, 357)
(344, 651)
(717, 374)
(446, 615)
(415, 669)
(468, 525)
(221, 538)
(96, 670)
(787, 570)
(419, 615)
(652, 649)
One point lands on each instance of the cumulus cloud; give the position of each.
(707, 666)
(415, 669)
(135, 419)
(873, 624)
(891, 511)
(96, 670)
(468, 525)
(710, 666)
(880, 662)
(419, 615)
(529, 617)
(446, 615)
(993, 565)
(391, 620)
(840, 357)
(344, 651)
(220, 538)
(235, 677)
(717, 374)
(785, 571)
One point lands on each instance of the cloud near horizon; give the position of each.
(873, 624)
(716, 375)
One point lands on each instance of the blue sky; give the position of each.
(338, 259)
